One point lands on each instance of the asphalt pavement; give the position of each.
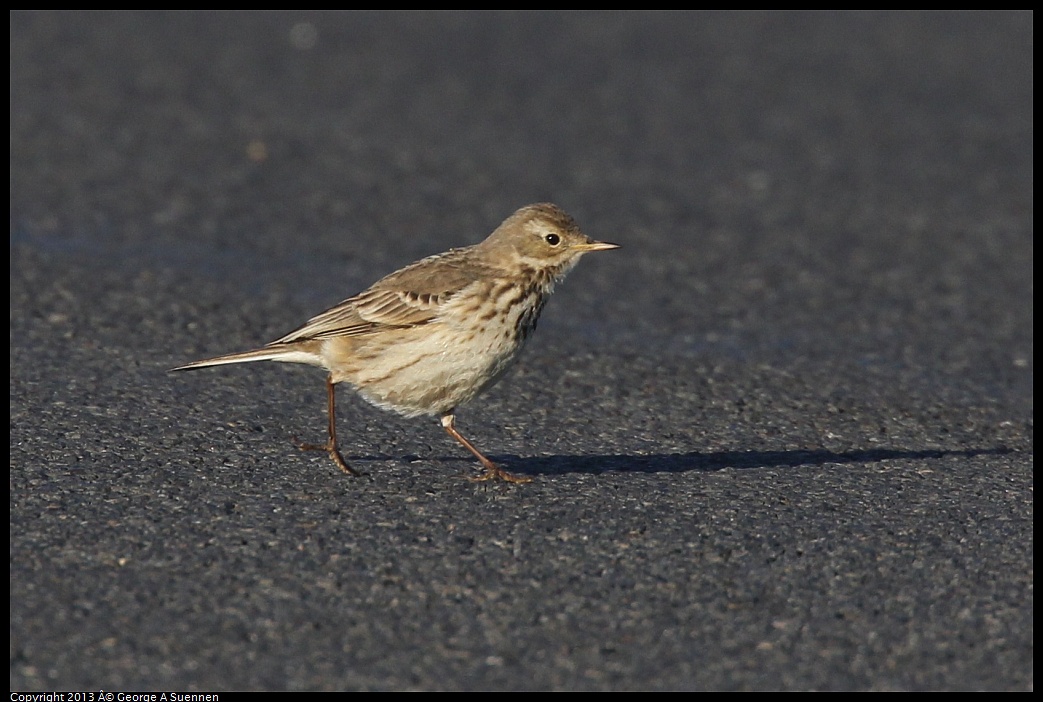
(780, 440)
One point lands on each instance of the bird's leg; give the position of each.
(330, 446)
(491, 469)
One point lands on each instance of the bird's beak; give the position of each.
(595, 246)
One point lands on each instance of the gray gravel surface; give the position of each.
(780, 440)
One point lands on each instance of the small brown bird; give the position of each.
(433, 335)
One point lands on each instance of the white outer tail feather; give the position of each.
(285, 355)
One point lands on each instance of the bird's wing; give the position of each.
(366, 313)
(409, 297)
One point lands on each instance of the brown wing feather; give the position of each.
(406, 298)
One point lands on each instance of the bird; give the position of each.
(433, 335)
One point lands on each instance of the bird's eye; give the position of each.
(552, 239)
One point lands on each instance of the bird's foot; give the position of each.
(493, 471)
(334, 453)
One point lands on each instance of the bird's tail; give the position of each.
(287, 353)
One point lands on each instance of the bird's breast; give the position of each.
(434, 367)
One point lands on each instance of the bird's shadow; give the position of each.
(706, 462)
